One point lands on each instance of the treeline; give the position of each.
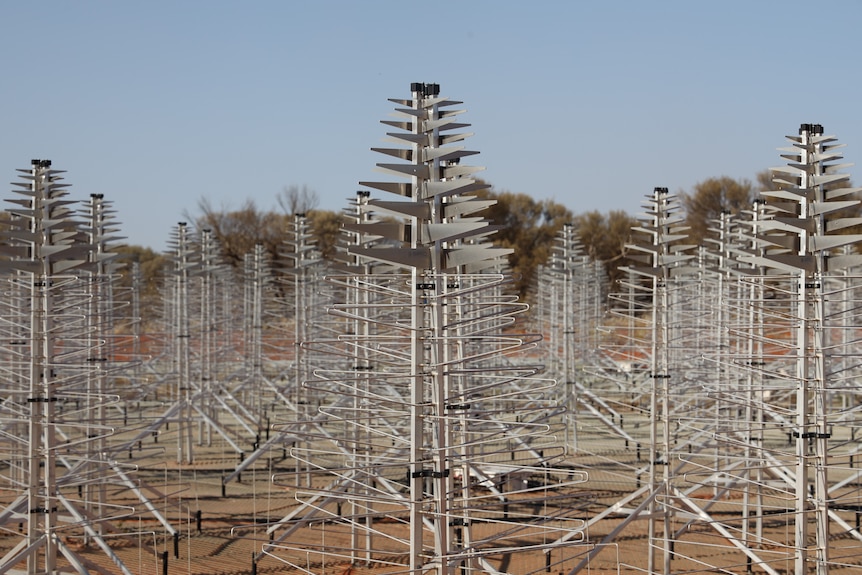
(526, 224)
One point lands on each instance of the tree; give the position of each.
(604, 238)
(529, 227)
(297, 200)
(150, 262)
(712, 197)
(325, 227)
(526, 225)
(238, 231)
(151, 265)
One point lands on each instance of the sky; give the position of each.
(160, 104)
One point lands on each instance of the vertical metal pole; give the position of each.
(417, 375)
(655, 398)
(182, 264)
(802, 385)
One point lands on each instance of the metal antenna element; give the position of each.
(570, 298)
(806, 251)
(746, 357)
(716, 407)
(56, 335)
(193, 315)
(441, 456)
(643, 339)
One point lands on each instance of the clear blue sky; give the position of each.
(157, 104)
